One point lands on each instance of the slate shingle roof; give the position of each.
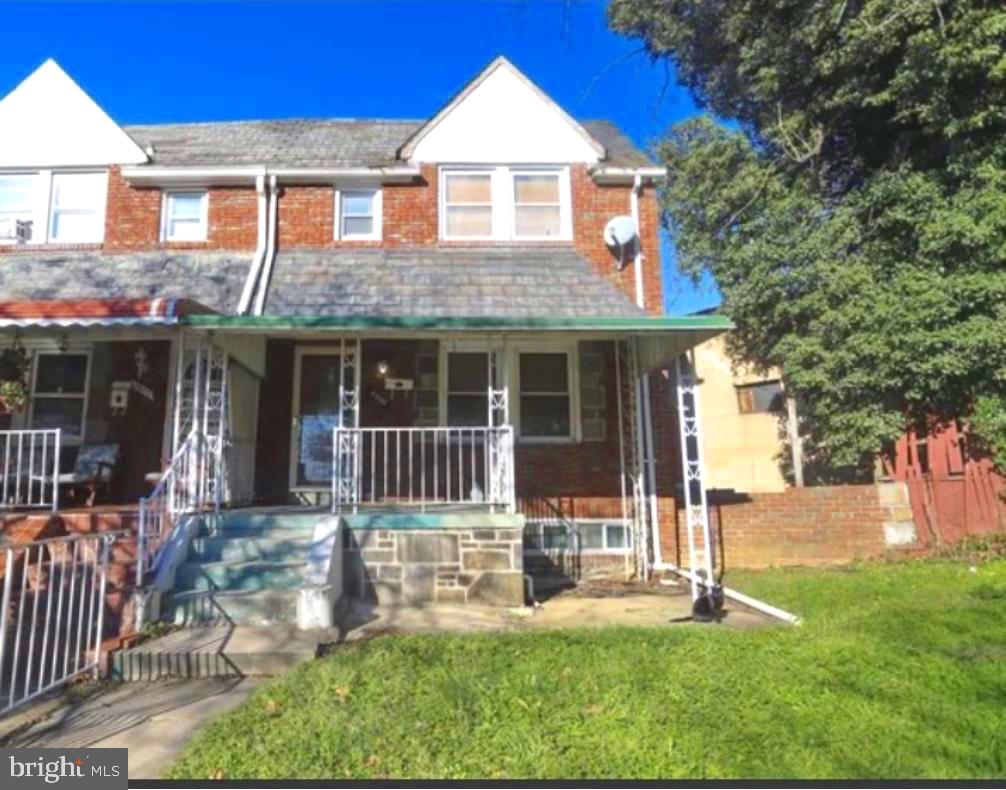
(317, 143)
(498, 282)
(212, 279)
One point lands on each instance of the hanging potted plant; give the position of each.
(13, 378)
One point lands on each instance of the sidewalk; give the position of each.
(153, 720)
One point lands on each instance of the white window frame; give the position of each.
(446, 349)
(502, 190)
(99, 212)
(562, 205)
(66, 440)
(204, 216)
(569, 348)
(43, 210)
(33, 179)
(377, 209)
(445, 173)
(573, 526)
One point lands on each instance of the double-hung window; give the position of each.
(185, 216)
(537, 206)
(467, 388)
(468, 205)
(358, 214)
(77, 213)
(17, 204)
(503, 203)
(59, 393)
(545, 395)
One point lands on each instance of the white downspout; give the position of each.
(649, 454)
(256, 267)
(270, 248)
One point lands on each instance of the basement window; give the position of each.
(185, 216)
(358, 214)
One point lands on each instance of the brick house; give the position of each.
(423, 330)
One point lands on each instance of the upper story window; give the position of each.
(185, 216)
(503, 203)
(53, 207)
(78, 208)
(17, 204)
(537, 206)
(468, 205)
(358, 214)
(764, 397)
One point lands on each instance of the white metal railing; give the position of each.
(29, 463)
(52, 615)
(423, 467)
(184, 487)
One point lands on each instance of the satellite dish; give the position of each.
(620, 235)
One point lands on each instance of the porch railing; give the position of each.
(52, 613)
(423, 467)
(183, 488)
(29, 463)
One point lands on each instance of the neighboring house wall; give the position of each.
(742, 451)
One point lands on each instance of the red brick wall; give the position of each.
(133, 218)
(306, 220)
(800, 526)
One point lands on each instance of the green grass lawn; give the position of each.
(898, 671)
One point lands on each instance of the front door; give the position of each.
(316, 387)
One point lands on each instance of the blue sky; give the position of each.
(146, 62)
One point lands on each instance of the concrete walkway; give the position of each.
(153, 720)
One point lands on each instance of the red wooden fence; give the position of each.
(954, 493)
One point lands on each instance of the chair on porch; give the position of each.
(94, 469)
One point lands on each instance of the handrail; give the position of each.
(179, 490)
(29, 468)
(423, 466)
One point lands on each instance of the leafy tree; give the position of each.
(853, 211)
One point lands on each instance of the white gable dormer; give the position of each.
(501, 116)
(48, 121)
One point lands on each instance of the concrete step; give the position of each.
(234, 607)
(216, 651)
(276, 545)
(256, 575)
(261, 519)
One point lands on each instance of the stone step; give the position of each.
(234, 607)
(256, 575)
(216, 651)
(261, 519)
(276, 545)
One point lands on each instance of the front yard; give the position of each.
(898, 671)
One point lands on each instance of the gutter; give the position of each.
(230, 176)
(260, 247)
(626, 175)
(270, 247)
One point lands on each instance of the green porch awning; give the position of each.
(659, 339)
(714, 324)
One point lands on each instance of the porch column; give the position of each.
(701, 560)
(500, 456)
(632, 451)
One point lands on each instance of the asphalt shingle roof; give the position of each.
(212, 279)
(317, 143)
(498, 282)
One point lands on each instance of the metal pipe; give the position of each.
(251, 280)
(270, 248)
(747, 600)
